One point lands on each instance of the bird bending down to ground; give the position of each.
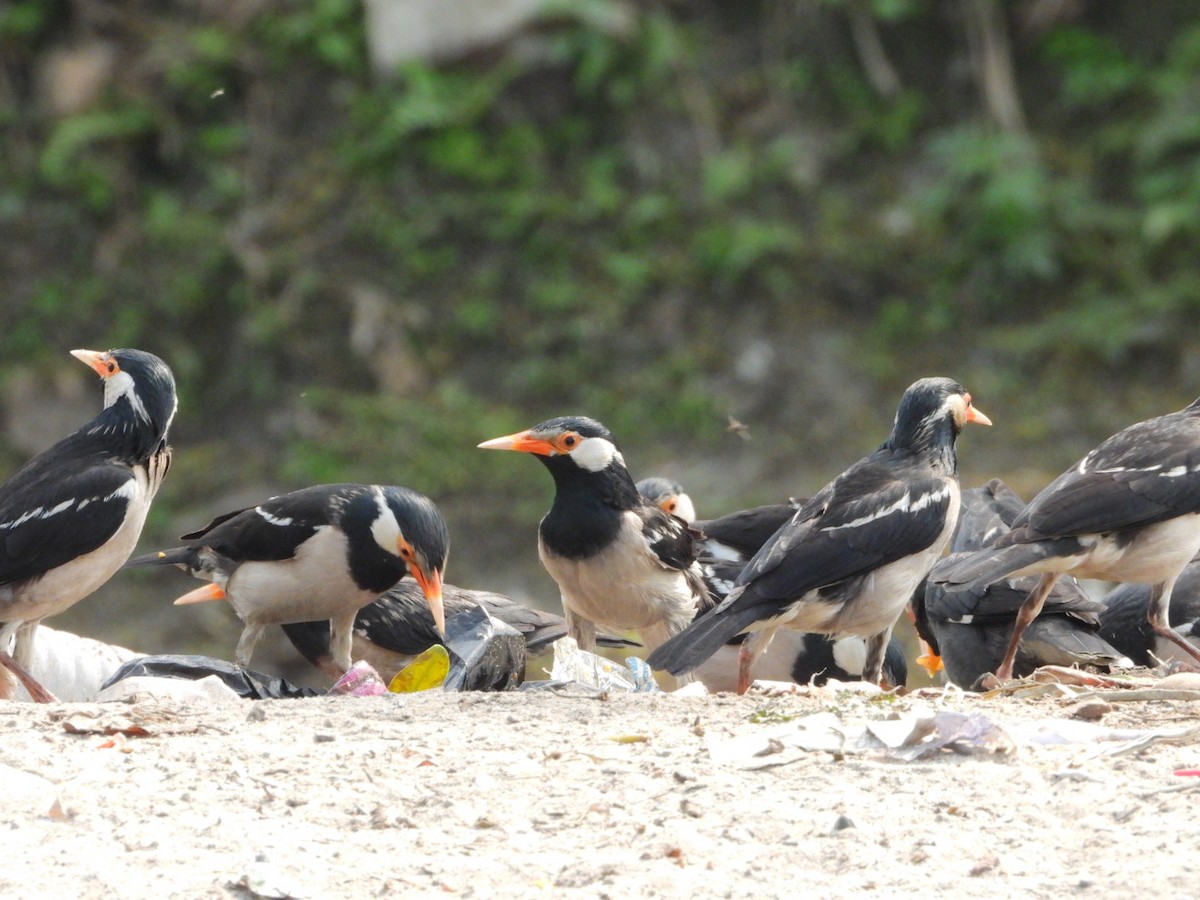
(970, 628)
(619, 561)
(323, 552)
(390, 631)
(849, 559)
(72, 515)
(1128, 511)
(1124, 622)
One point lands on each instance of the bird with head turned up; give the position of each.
(70, 517)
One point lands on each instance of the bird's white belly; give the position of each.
(622, 587)
(64, 586)
(881, 597)
(1158, 552)
(719, 673)
(313, 585)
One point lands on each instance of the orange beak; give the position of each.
(928, 660)
(99, 360)
(431, 587)
(975, 415)
(523, 442)
(201, 595)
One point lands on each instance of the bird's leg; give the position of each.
(245, 644)
(341, 638)
(36, 692)
(876, 650)
(754, 646)
(1027, 613)
(581, 629)
(1157, 613)
(23, 646)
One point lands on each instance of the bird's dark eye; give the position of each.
(570, 440)
(671, 507)
(112, 367)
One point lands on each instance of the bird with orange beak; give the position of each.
(849, 559)
(620, 562)
(322, 552)
(72, 515)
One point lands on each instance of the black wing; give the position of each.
(1148, 473)
(747, 530)
(54, 520)
(986, 515)
(275, 528)
(866, 519)
(671, 539)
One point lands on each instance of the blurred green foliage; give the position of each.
(374, 272)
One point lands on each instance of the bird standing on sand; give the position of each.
(323, 552)
(849, 559)
(619, 561)
(1128, 511)
(72, 515)
(1124, 622)
(726, 545)
(969, 628)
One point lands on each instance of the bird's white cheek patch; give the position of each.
(121, 385)
(385, 529)
(596, 454)
(850, 653)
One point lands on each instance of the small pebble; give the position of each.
(1090, 710)
(841, 823)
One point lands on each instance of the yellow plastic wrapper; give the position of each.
(427, 671)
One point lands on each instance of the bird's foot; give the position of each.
(36, 692)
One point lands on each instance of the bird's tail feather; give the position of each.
(700, 640)
(985, 566)
(1059, 641)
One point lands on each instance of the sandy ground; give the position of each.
(566, 794)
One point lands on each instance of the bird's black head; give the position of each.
(668, 495)
(582, 456)
(931, 414)
(393, 530)
(139, 397)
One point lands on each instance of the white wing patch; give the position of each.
(904, 505)
(128, 490)
(273, 520)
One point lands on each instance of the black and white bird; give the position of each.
(322, 552)
(620, 562)
(390, 631)
(804, 658)
(726, 545)
(734, 537)
(1125, 623)
(849, 560)
(1128, 511)
(72, 515)
(969, 628)
(669, 495)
